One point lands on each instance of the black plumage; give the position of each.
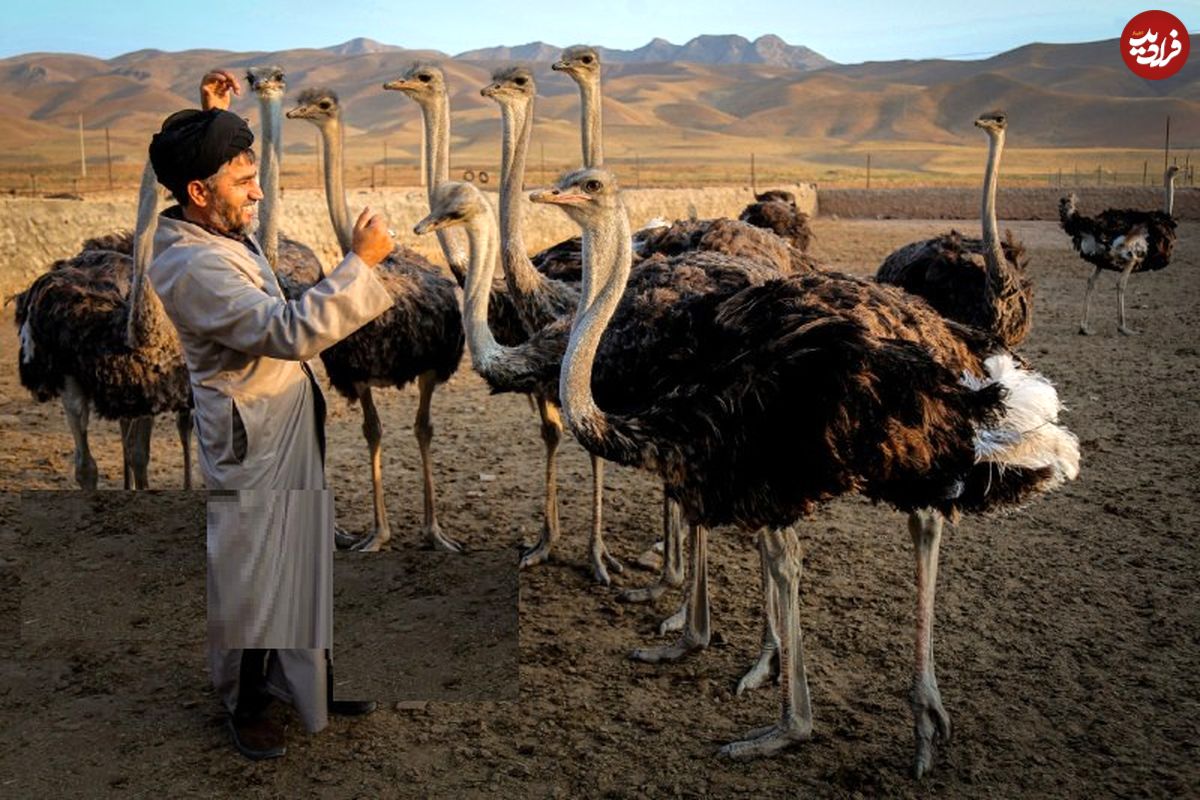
(950, 273)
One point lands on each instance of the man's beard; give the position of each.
(229, 218)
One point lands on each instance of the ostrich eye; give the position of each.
(586, 59)
(592, 186)
(519, 81)
(325, 105)
(424, 77)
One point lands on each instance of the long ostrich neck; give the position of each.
(522, 279)
(335, 184)
(482, 267)
(993, 253)
(606, 243)
(436, 116)
(589, 123)
(1169, 206)
(142, 299)
(272, 151)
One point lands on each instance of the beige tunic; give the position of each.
(259, 418)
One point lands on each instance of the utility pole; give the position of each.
(108, 157)
(82, 155)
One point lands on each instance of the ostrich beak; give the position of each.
(555, 197)
(432, 223)
(400, 84)
(299, 112)
(490, 90)
(560, 66)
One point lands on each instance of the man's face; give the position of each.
(227, 201)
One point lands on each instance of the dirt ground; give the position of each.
(1067, 634)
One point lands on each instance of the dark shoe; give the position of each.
(256, 738)
(351, 708)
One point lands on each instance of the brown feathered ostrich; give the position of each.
(776, 210)
(1123, 240)
(425, 84)
(295, 264)
(420, 338)
(541, 300)
(93, 332)
(799, 390)
(978, 282)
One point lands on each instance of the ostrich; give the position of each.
(420, 338)
(775, 210)
(1124, 240)
(982, 283)
(296, 264)
(540, 300)
(93, 332)
(799, 390)
(425, 84)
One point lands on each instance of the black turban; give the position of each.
(193, 145)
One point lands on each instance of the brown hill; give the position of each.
(1077, 95)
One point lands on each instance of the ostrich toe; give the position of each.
(767, 741)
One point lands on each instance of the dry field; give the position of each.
(1067, 634)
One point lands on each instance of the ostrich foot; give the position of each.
(767, 741)
(765, 669)
(932, 725)
(667, 653)
(602, 562)
(536, 554)
(1086, 330)
(644, 594)
(1128, 331)
(675, 622)
(440, 541)
(651, 558)
(344, 540)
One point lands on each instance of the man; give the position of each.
(259, 417)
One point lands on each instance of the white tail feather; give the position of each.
(1028, 435)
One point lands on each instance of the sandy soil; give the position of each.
(1067, 635)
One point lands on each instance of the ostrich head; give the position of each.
(586, 195)
(1171, 172)
(453, 203)
(318, 106)
(266, 81)
(510, 83)
(422, 82)
(993, 122)
(580, 62)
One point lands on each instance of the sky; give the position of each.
(869, 30)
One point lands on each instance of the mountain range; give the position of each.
(711, 95)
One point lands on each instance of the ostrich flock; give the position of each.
(753, 381)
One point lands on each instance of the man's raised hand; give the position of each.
(372, 242)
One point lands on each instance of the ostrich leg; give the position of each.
(671, 576)
(183, 424)
(127, 468)
(75, 406)
(135, 445)
(768, 657)
(781, 550)
(1087, 302)
(930, 718)
(423, 429)
(1122, 325)
(602, 560)
(697, 625)
(552, 428)
(373, 432)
